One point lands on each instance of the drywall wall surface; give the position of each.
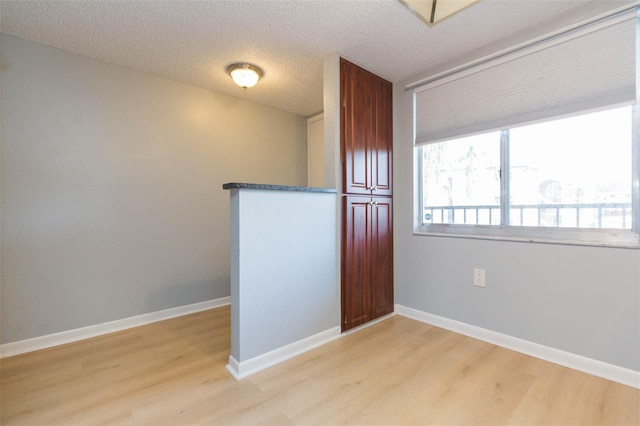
(331, 99)
(583, 300)
(284, 276)
(112, 199)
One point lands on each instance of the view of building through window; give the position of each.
(461, 180)
(570, 173)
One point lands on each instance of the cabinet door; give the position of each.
(356, 290)
(381, 256)
(366, 131)
(380, 147)
(355, 128)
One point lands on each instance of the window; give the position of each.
(461, 181)
(569, 179)
(575, 172)
(540, 142)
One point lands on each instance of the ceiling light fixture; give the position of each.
(434, 11)
(244, 74)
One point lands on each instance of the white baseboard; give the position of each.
(55, 339)
(240, 370)
(557, 356)
(234, 368)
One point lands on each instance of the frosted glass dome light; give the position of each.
(244, 75)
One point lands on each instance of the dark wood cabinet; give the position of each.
(367, 259)
(366, 131)
(367, 207)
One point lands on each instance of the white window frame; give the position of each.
(626, 238)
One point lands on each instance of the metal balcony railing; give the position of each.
(593, 215)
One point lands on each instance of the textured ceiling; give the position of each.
(194, 41)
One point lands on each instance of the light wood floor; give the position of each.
(393, 373)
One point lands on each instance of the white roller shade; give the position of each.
(588, 68)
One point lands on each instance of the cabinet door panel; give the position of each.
(356, 131)
(356, 291)
(382, 142)
(381, 248)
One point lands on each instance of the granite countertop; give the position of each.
(268, 187)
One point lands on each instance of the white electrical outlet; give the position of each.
(479, 277)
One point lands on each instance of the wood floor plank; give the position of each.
(396, 372)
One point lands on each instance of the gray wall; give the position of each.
(584, 300)
(284, 268)
(112, 203)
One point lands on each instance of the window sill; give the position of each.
(625, 240)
